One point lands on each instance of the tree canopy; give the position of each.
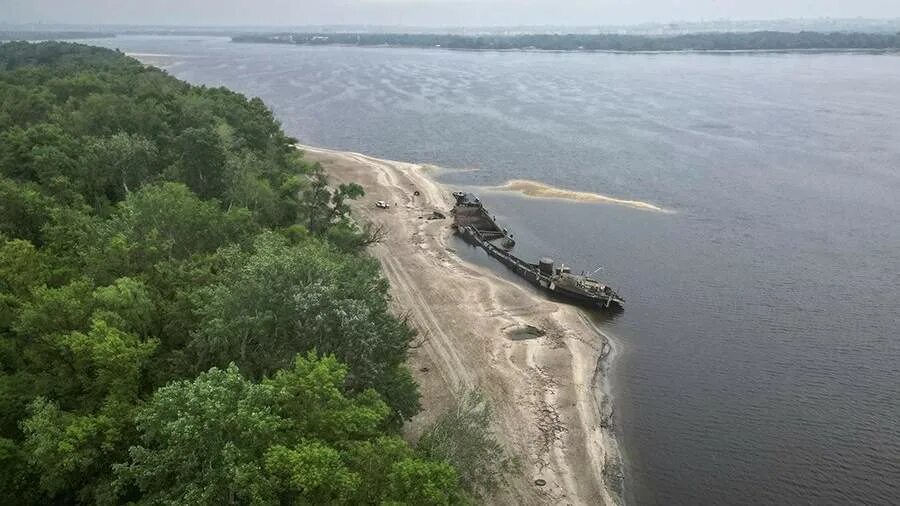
(187, 311)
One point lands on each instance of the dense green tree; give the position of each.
(24, 210)
(202, 441)
(125, 304)
(311, 472)
(201, 164)
(158, 223)
(18, 478)
(280, 299)
(55, 310)
(298, 438)
(416, 481)
(103, 114)
(22, 107)
(21, 267)
(312, 395)
(117, 164)
(154, 237)
(39, 154)
(74, 446)
(254, 193)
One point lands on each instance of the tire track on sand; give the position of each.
(439, 344)
(542, 389)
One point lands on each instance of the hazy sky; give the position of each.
(427, 12)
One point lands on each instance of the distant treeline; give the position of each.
(51, 35)
(752, 41)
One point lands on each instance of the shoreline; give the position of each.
(809, 51)
(550, 393)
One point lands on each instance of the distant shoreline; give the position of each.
(605, 51)
(718, 42)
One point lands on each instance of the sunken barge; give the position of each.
(479, 228)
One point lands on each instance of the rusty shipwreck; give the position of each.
(478, 227)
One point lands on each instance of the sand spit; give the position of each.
(542, 190)
(539, 362)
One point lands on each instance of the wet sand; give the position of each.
(548, 392)
(542, 190)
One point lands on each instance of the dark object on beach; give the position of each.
(437, 215)
(525, 332)
(416, 193)
(478, 227)
(540, 482)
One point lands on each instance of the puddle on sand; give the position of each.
(524, 332)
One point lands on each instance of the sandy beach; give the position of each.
(547, 392)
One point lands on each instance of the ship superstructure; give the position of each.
(478, 227)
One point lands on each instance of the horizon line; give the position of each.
(47, 25)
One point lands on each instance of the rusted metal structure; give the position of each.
(478, 227)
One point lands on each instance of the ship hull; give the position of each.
(531, 273)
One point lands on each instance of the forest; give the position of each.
(187, 311)
(721, 41)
